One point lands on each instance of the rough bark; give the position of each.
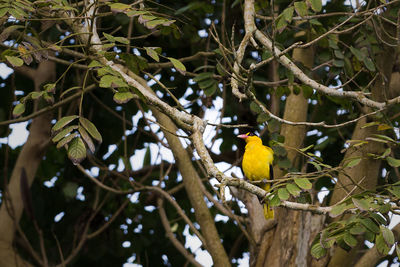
(30, 157)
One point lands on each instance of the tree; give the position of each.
(133, 108)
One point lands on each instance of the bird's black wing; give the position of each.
(271, 173)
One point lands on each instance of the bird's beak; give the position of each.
(242, 136)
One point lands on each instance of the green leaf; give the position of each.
(378, 218)
(288, 14)
(315, 164)
(91, 128)
(18, 110)
(283, 194)
(352, 162)
(384, 137)
(385, 208)
(203, 76)
(266, 54)
(317, 251)
(369, 64)
(3, 11)
(307, 91)
(338, 54)
(357, 229)
(211, 90)
(154, 23)
(76, 151)
(316, 5)
(281, 23)
(333, 44)
(369, 124)
(381, 245)
(386, 153)
(388, 235)
(177, 64)
(293, 189)
(362, 204)
(119, 6)
(108, 81)
(338, 210)
(275, 201)
(109, 37)
(369, 236)
(174, 227)
(123, 97)
(358, 53)
(370, 225)
(255, 108)
(338, 63)
(284, 163)
(303, 183)
(206, 83)
(95, 64)
(122, 40)
(36, 95)
(15, 61)
(279, 151)
(398, 251)
(63, 122)
(301, 8)
(63, 133)
(349, 239)
(88, 140)
(306, 148)
(151, 53)
(263, 117)
(384, 126)
(393, 162)
(395, 190)
(66, 140)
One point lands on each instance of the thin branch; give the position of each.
(49, 108)
(180, 211)
(196, 56)
(312, 124)
(105, 187)
(171, 236)
(115, 215)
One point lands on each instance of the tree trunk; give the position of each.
(295, 229)
(191, 182)
(29, 158)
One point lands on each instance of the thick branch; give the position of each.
(298, 73)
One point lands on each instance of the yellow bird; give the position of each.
(257, 164)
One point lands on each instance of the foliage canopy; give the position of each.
(133, 112)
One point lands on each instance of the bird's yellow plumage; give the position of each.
(257, 164)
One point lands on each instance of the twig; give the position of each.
(171, 236)
(105, 187)
(49, 108)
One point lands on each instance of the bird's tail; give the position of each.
(268, 211)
